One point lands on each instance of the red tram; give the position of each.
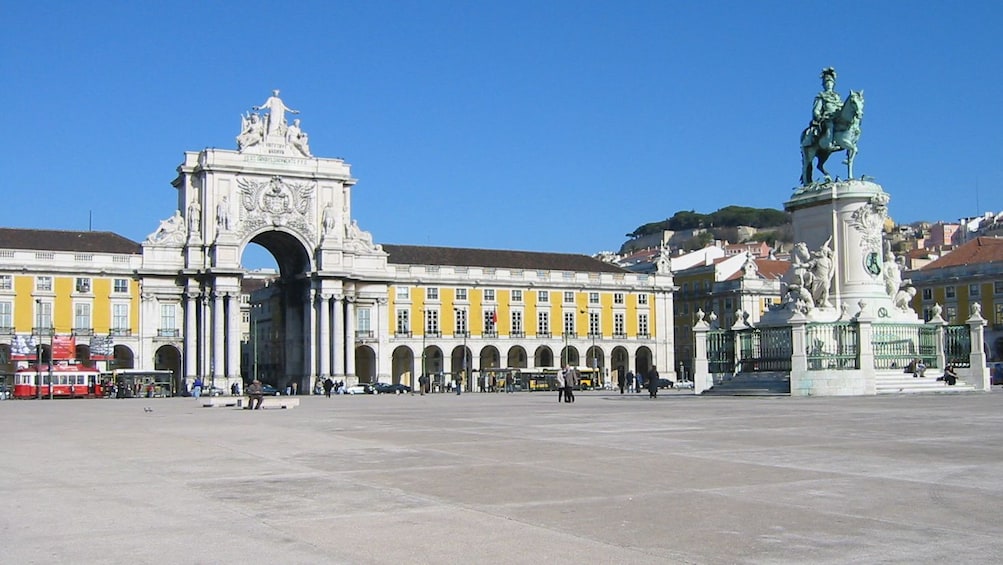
(67, 381)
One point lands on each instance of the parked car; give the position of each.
(269, 390)
(388, 388)
(666, 383)
(361, 388)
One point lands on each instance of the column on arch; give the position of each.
(191, 335)
(350, 336)
(218, 332)
(325, 336)
(309, 338)
(339, 336)
(234, 325)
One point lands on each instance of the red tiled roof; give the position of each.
(977, 251)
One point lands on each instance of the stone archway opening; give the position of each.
(276, 266)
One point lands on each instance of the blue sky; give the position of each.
(551, 126)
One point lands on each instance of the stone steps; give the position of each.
(752, 384)
(900, 383)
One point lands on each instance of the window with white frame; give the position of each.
(642, 325)
(543, 323)
(81, 316)
(363, 322)
(642, 299)
(569, 323)
(998, 317)
(403, 292)
(489, 295)
(490, 321)
(927, 294)
(83, 284)
(569, 297)
(6, 282)
(516, 296)
(997, 287)
(432, 293)
(974, 290)
(517, 328)
(460, 321)
(43, 315)
(595, 325)
(403, 321)
(120, 318)
(950, 312)
(43, 283)
(618, 324)
(461, 294)
(432, 322)
(949, 292)
(593, 298)
(542, 296)
(617, 298)
(6, 316)
(169, 319)
(120, 286)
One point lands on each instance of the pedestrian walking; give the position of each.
(570, 382)
(197, 387)
(559, 380)
(459, 384)
(653, 382)
(328, 385)
(621, 380)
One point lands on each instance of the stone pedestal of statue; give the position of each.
(849, 217)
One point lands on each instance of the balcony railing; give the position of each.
(172, 332)
(363, 334)
(433, 333)
(402, 334)
(461, 334)
(83, 331)
(120, 332)
(517, 333)
(490, 333)
(643, 335)
(543, 335)
(46, 330)
(619, 335)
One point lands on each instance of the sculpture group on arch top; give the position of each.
(277, 201)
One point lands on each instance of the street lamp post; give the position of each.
(424, 368)
(38, 350)
(461, 314)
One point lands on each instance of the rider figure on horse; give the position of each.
(827, 105)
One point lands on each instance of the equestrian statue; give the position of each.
(835, 126)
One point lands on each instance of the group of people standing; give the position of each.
(629, 381)
(567, 379)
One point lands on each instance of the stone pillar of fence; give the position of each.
(939, 323)
(801, 383)
(865, 351)
(979, 376)
(702, 378)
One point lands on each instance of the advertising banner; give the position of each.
(102, 348)
(24, 348)
(64, 347)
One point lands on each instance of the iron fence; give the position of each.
(833, 346)
(720, 351)
(765, 349)
(957, 345)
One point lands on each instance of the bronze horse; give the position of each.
(846, 132)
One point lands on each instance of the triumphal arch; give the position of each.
(271, 191)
